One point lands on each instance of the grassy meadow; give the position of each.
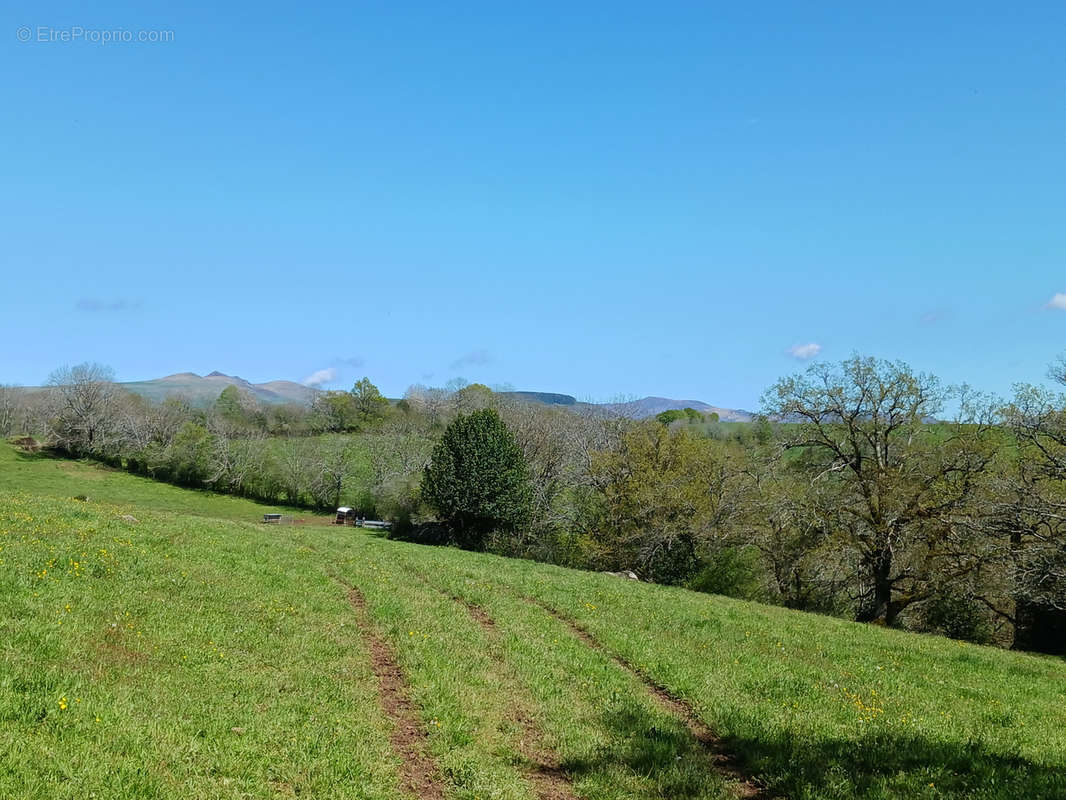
(42, 475)
(160, 643)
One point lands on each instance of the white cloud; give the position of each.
(316, 379)
(1058, 301)
(804, 352)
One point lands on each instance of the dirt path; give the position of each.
(418, 773)
(724, 762)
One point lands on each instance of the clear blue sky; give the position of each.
(595, 198)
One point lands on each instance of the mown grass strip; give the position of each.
(611, 738)
(725, 762)
(418, 772)
(460, 702)
(819, 708)
(549, 780)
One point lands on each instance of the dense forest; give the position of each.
(864, 490)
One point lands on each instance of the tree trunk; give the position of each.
(876, 608)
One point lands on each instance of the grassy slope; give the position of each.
(186, 656)
(60, 478)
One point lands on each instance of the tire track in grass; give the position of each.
(549, 780)
(722, 760)
(418, 773)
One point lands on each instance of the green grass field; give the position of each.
(196, 654)
(55, 477)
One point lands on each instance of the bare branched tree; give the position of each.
(86, 396)
(10, 408)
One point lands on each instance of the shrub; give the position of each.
(734, 572)
(957, 616)
(478, 480)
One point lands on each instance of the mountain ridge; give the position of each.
(204, 390)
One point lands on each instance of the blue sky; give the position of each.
(599, 198)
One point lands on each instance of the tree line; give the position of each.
(855, 493)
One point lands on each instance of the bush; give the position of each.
(958, 617)
(419, 533)
(734, 572)
(478, 480)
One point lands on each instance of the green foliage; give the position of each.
(887, 483)
(478, 480)
(335, 412)
(228, 404)
(189, 458)
(732, 571)
(667, 417)
(655, 501)
(856, 501)
(689, 415)
(370, 405)
(957, 616)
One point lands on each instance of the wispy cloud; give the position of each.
(1058, 301)
(933, 316)
(97, 305)
(320, 377)
(354, 362)
(804, 352)
(475, 358)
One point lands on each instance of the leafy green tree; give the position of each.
(669, 417)
(1031, 519)
(894, 486)
(335, 412)
(189, 456)
(228, 404)
(657, 501)
(478, 480)
(369, 402)
(689, 415)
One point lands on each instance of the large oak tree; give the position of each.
(891, 482)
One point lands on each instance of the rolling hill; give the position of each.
(650, 406)
(205, 389)
(202, 390)
(157, 642)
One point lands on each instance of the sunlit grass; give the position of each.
(818, 707)
(176, 657)
(183, 656)
(44, 475)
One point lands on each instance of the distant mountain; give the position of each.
(547, 398)
(650, 406)
(636, 409)
(205, 389)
